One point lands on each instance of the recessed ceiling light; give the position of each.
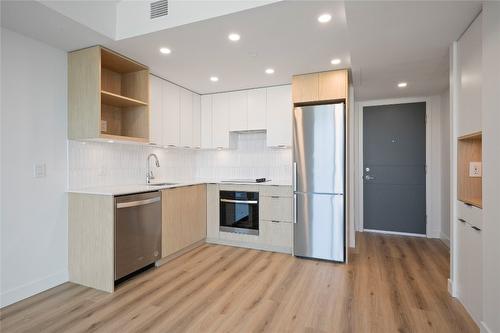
(402, 84)
(165, 50)
(335, 61)
(234, 37)
(110, 141)
(214, 78)
(269, 71)
(324, 18)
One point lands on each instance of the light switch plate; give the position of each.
(39, 170)
(475, 169)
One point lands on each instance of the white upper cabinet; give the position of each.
(220, 120)
(186, 118)
(469, 74)
(156, 112)
(206, 122)
(238, 111)
(257, 100)
(171, 114)
(196, 121)
(279, 116)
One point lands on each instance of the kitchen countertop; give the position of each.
(139, 188)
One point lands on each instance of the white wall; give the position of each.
(491, 166)
(434, 160)
(445, 167)
(33, 129)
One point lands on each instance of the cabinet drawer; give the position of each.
(276, 208)
(470, 214)
(275, 190)
(276, 234)
(239, 187)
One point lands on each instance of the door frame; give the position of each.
(359, 185)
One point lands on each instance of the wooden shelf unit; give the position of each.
(108, 96)
(470, 189)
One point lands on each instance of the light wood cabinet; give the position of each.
(276, 234)
(91, 231)
(206, 122)
(279, 116)
(108, 96)
(238, 111)
(317, 87)
(220, 120)
(332, 85)
(305, 88)
(276, 208)
(275, 218)
(257, 102)
(186, 118)
(184, 213)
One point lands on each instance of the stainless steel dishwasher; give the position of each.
(137, 232)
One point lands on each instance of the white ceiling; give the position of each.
(386, 42)
(285, 36)
(408, 41)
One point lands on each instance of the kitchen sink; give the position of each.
(162, 184)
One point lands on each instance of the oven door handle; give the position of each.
(240, 201)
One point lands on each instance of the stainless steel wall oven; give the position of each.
(239, 212)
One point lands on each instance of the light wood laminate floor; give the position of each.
(392, 284)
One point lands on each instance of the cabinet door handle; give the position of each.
(475, 228)
(275, 221)
(462, 220)
(274, 196)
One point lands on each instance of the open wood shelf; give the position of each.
(470, 189)
(110, 98)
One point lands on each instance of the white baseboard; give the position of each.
(394, 233)
(433, 233)
(445, 239)
(246, 245)
(484, 329)
(32, 288)
(451, 289)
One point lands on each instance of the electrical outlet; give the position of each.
(39, 170)
(475, 169)
(104, 126)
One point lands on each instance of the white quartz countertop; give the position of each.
(139, 188)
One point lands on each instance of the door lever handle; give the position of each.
(368, 177)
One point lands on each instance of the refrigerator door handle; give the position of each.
(294, 177)
(294, 213)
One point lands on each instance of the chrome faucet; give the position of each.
(150, 174)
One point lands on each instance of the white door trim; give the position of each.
(359, 154)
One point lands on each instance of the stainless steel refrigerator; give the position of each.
(319, 181)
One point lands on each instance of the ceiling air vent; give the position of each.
(158, 9)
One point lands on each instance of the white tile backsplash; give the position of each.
(101, 163)
(251, 159)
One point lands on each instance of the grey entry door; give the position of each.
(394, 168)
